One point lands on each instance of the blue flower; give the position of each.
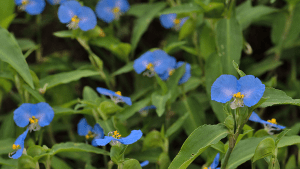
(144, 111)
(114, 96)
(84, 129)
(270, 125)
(170, 21)
(108, 10)
(36, 115)
(215, 163)
(116, 138)
(152, 62)
(56, 2)
(247, 90)
(18, 146)
(75, 15)
(187, 73)
(143, 164)
(170, 64)
(32, 7)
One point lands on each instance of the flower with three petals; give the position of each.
(75, 15)
(36, 115)
(108, 10)
(116, 97)
(170, 21)
(116, 138)
(270, 125)
(84, 129)
(32, 7)
(248, 90)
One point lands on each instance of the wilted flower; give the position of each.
(75, 15)
(270, 125)
(18, 146)
(36, 115)
(170, 21)
(84, 129)
(247, 90)
(114, 96)
(108, 10)
(32, 7)
(116, 138)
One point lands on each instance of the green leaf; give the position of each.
(162, 84)
(185, 8)
(66, 77)
(135, 107)
(277, 97)
(67, 111)
(243, 152)
(265, 148)
(57, 163)
(11, 53)
(288, 141)
(138, 9)
(263, 66)
(25, 44)
(151, 155)
(34, 93)
(142, 23)
(153, 139)
(175, 126)
(131, 163)
(187, 29)
(4, 23)
(196, 143)
(213, 69)
(25, 161)
(109, 107)
(280, 135)
(117, 153)
(9, 162)
(164, 161)
(236, 66)
(189, 50)
(207, 42)
(6, 145)
(7, 8)
(291, 163)
(127, 68)
(219, 146)
(159, 101)
(64, 34)
(229, 39)
(8, 127)
(89, 94)
(173, 45)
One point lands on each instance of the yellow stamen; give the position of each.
(272, 121)
(171, 72)
(75, 19)
(24, 2)
(89, 135)
(176, 21)
(15, 146)
(33, 119)
(116, 135)
(239, 95)
(118, 93)
(149, 66)
(116, 10)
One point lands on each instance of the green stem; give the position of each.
(38, 53)
(51, 136)
(232, 141)
(105, 158)
(230, 9)
(48, 162)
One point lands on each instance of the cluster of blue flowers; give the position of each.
(37, 116)
(74, 15)
(171, 21)
(161, 63)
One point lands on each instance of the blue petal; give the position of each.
(255, 118)
(67, 10)
(56, 2)
(104, 91)
(160, 58)
(164, 76)
(183, 20)
(224, 87)
(215, 162)
(127, 100)
(18, 2)
(167, 20)
(187, 73)
(20, 141)
(35, 7)
(104, 10)
(98, 130)
(87, 18)
(140, 64)
(102, 142)
(22, 114)
(44, 113)
(252, 88)
(83, 127)
(134, 136)
(123, 5)
(143, 164)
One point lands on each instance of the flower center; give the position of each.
(272, 121)
(16, 146)
(116, 135)
(24, 2)
(149, 66)
(74, 22)
(171, 71)
(239, 95)
(75, 19)
(119, 93)
(116, 10)
(176, 21)
(33, 120)
(89, 135)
